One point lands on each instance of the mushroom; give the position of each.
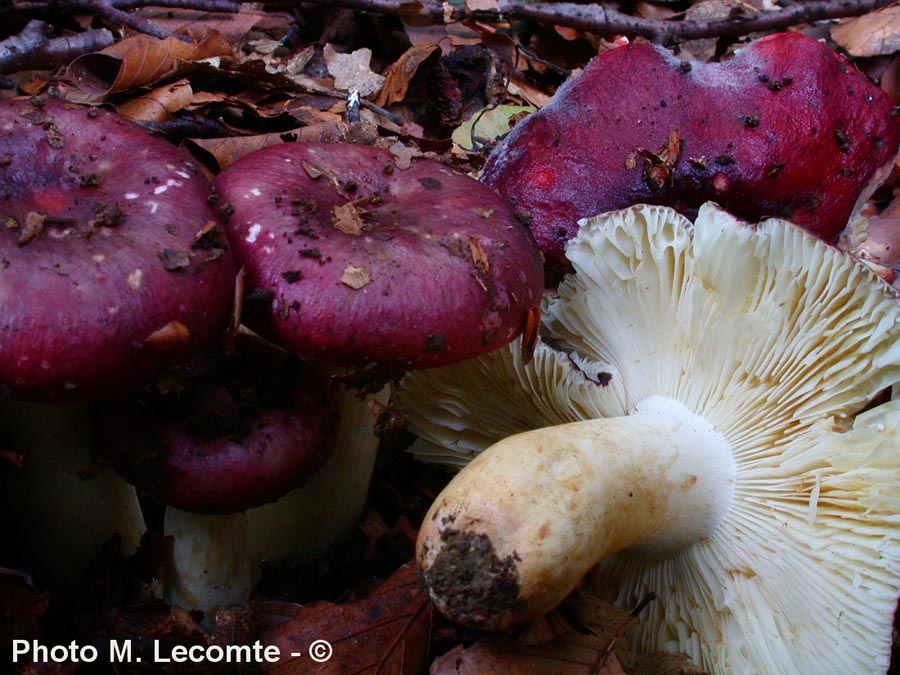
(112, 266)
(786, 128)
(371, 269)
(694, 425)
(238, 430)
(363, 264)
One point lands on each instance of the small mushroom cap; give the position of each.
(786, 128)
(112, 263)
(241, 431)
(778, 341)
(361, 263)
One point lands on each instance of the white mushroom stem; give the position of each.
(63, 516)
(217, 559)
(210, 566)
(304, 523)
(516, 530)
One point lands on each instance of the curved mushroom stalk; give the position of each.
(56, 442)
(564, 498)
(217, 559)
(677, 346)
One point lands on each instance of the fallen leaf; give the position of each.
(530, 333)
(873, 34)
(713, 10)
(488, 124)
(226, 151)
(404, 154)
(232, 27)
(355, 277)
(569, 654)
(159, 104)
(479, 256)
(142, 60)
(351, 71)
(401, 72)
(483, 4)
(21, 608)
(346, 218)
(387, 633)
(600, 646)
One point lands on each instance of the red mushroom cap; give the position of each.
(242, 430)
(363, 264)
(786, 128)
(112, 262)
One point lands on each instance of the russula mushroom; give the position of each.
(698, 431)
(238, 430)
(786, 128)
(360, 263)
(363, 265)
(112, 266)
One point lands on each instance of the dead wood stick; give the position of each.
(32, 48)
(604, 20)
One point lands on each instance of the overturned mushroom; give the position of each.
(786, 128)
(112, 266)
(704, 439)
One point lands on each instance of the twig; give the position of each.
(603, 20)
(200, 5)
(31, 48)
(136, 22)
(115, 11)
(193, 126)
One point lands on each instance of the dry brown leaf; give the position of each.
(356, 277)
(226, 151)
(232, 27)
(159, 104)
(569, 654)
(387, 633)
(346, 219)
(483, 4)
(873, 34)
(401, 72)
(142, 60)
(713, 10)
(605, 650)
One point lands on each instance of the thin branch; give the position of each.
(136, 22)
(604, 20)
(200, 5)
(32, 49)
(115, 12)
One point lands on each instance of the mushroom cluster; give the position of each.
(694, 424)
(113, 265)
(786, 128)
(365, 268)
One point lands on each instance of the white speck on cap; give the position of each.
(135, 279)
(255, 229)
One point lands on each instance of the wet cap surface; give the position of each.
(361, 263)
(112, 263)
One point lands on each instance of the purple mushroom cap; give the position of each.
(786, 128)
(239, 431)
(363, 264)
(112, 261)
